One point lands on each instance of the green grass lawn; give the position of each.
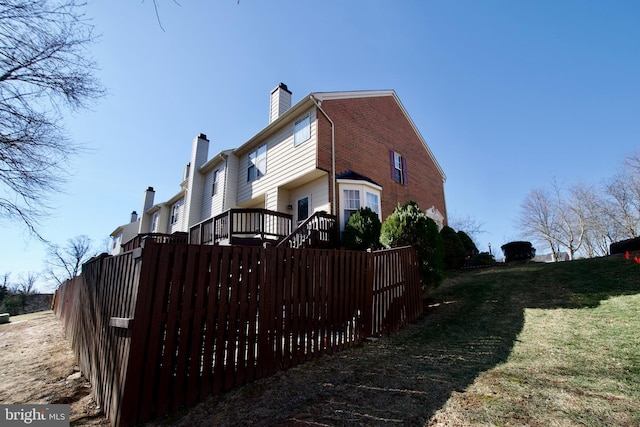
(560, 344)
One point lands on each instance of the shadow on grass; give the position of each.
(469, 327)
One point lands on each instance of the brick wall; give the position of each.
(365, 130)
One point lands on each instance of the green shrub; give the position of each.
(409, 226)
(518, 251)
(629, 245)
(481, 259)
(470, 248)
(454, 251)
(362, 230)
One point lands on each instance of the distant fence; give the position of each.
(160, 328)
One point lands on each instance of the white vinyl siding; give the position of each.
(285, 163)
(318, 193)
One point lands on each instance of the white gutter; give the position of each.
(333, 155)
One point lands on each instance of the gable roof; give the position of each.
(321, 96)
(309, 101)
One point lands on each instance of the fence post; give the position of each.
(368, 295)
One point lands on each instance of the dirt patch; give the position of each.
(38, 367)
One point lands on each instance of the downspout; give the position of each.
(333, 155)
(226, 175)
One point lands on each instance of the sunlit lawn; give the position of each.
(576, 359)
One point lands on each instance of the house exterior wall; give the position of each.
(366, 129)
(285, 162)
(318, 193)
(213, 204)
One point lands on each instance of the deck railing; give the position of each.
(242, 226)
(137, 242)
(318, 231)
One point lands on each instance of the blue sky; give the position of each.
(508, 95)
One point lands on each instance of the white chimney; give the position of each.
(149, 195)
(280, 101)
(134, 216)
(199, 152)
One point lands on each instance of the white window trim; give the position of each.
(176, 210)
(363, 187)
(260, 163)
(309, 208)
(307, 134)
(214, 185)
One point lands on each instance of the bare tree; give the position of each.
(571, 219)
(539, 221)
(469, 225)
(44, 66)
(594, 208)
(26, 284)
(625, 203)
(65, 262)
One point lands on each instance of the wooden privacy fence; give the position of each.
(162, 327)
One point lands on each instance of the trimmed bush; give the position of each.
(518, 251)
(362, 230)
(409, 226)
(454, 251)
(470, 248)
(624, 246)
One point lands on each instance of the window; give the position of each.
(257, 163)
(303, 208)
(351, 203)
(214, 186)
(175, 211)
(154, 221)
(398, 167)
(373, 202)
(301, 130)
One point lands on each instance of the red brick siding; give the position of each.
(365, 130)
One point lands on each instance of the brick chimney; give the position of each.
(280, 101)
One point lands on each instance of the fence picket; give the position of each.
(197, 320)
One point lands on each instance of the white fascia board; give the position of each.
(116, 231)
(215, 160)
(175, 198)
(325, 96)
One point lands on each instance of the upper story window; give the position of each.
(398, 167)
(257, 163)
(175, 211)
(154, 221)
(214, 186)
(302, 130)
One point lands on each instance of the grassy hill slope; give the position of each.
(564, 338)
